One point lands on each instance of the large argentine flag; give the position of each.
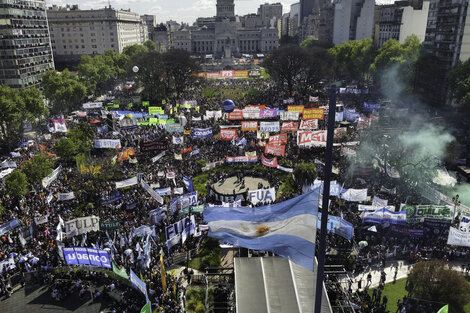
(287, 229)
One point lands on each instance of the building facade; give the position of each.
(25, 47)
(270, 13)
(226, 32)
(76, 32)
(353, 20)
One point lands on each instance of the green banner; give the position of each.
(110, 225)
(156, 110)
(417, 213)
(444, 309)
(146, 308)
(145, 103)
(120, 272)
(194, 209)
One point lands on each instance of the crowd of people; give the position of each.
(36, 248)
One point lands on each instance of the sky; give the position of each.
(186, 11)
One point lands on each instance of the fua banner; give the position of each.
(82, 225)
(86, 256)
(262, 196)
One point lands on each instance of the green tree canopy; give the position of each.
(298, 69)
(134, 50)
(34, 103)
(305, 174)
(16, 184)
(179, 71)
(38, 167)
(353, 59)
(150, 75)
(101, 72)
(459, 83)
(150, 45)
(79, 140)
(435, 281)
(64, 90)
(66, 149)
(12, 114)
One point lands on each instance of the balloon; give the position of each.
(228, 106)
(135, 69)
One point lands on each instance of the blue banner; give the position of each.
(164, 191)
(184, 201)
(5, 228)
(203, 132)
(86, 256)
(371, 106)
(103, 129)
(383, 216)
(351, 115)
(188, 183)
(138, 283)
(115, 197)
(338, 226)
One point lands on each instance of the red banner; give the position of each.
(250, 126)
(269, 162)
(274, 149)
(183, 151)
(228, 134)
(290, 126)
(313, 114)
(308, 125)
(312, 138)
(278, 139)
(125, 155)
(237, 114)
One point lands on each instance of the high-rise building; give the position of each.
(353, 20)
(225, 8)
(306, 8)
(400, 20)
(76, 32)
(270, 13)
(448, 39)
(149, 20)
(294, 21)
(25, 48)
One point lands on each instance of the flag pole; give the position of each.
(326, 194)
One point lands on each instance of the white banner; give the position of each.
(377, 202)
(158, 157)
(311, 138)
(82, 225)
(65, 196)
(126, 183)
(285, 169)
(355, 195)
(53, 176)
(213, 114)
(290, 116)
(178, 191)
(262, 196)
(6, 172)
(308, 125)
(458, 238)
(93, 105)
(108, 143)
(464, 225)
(178, 140)
(152, 193)
(361, 207)
(270, 126)
(41, 220)
(251, 112)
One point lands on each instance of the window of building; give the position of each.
(94, 46)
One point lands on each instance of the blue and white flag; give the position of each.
(194, 152)
(337, 226)
(137, 283)
(383, 216)
(188, 183)
(287, 229)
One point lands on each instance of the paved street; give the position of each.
(38, 299)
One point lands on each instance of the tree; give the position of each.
(312, 43)
(64, 90)
(305, 174)
(37, 168)
(101, 72)
(394, 66)
(16, 184)
(353, 59)
(150, 75)
(297, 69)
(65, 149)
(435, 281)
(134, 50)
(34, 103)
(459, 84)
(150, 45)
(179, 71)
(12, 112)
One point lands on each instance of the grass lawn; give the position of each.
(397, 291)
(394, 293)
